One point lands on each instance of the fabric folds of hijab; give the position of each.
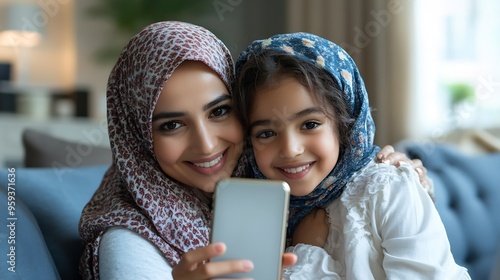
(332, 58)
(135, 193)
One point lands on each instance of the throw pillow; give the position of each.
(44, 150)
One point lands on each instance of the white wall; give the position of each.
(63, 59)
(91, 33)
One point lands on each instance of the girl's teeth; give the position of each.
(296, 170)
(210, 163)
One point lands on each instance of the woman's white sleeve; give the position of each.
(125, 254)
(313, 262)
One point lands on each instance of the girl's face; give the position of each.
(197, 138)
(292, 137)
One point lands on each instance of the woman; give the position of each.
(173, 136)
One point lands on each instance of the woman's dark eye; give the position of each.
(170, 126)
(221, 111)
(265, 134)
(310, 125)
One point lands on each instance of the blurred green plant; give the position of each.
(130, 16)
(460, 92)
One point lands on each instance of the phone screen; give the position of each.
(250, 217)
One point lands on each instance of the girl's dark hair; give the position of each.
(270, 67)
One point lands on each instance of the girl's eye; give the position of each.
(265, 134)
(170, 126)
(310, 125)
(221, 111)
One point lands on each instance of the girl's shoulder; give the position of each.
(380, 180)
(383, 174)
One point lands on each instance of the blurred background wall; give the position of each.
(53, 60)
(430, 68)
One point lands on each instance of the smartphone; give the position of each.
(250, 216)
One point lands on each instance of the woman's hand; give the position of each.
(313, 229)
(195, 264)
(387, 155)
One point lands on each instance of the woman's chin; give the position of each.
(207, 186)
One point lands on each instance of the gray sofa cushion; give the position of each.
(56, 197)
(467, 190)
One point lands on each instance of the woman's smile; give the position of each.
(209, 165)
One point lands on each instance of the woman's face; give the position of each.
(197, 139)
(293, 139)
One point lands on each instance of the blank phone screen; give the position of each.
(250, 217)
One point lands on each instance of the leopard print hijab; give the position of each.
(135, 193)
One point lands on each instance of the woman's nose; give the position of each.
(204, 139)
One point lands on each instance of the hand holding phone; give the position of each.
(250, 217)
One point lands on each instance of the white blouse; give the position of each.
(384, 226)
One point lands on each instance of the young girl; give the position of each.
(306, 109)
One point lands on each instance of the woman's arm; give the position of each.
(125, 254)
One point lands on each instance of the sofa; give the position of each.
(49, 195)
(467, 197)
(58, 178)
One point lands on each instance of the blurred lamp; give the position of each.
(20, 28)
(17, 26)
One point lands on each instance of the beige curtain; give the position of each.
(377, 35)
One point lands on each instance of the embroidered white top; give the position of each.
(384, 226)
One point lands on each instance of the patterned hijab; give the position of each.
(135, 193)
(332, 58)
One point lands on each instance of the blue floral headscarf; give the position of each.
(332, 58)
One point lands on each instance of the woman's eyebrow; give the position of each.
(167, 115)
(216, 101)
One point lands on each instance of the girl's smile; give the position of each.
(292, 137)
(296, 171)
